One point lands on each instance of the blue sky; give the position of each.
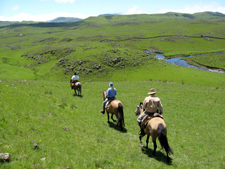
(44, 10)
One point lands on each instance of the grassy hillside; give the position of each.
(71, 132)
(99, 46)
(38, 107)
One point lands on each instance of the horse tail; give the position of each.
(120, 115)
(79, 86)
(163, 139)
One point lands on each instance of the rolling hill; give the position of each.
(44, 125)
(65, 19)
(110, 46)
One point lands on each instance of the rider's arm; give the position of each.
(144, 104)
(160, 108)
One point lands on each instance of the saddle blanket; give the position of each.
(147, 118)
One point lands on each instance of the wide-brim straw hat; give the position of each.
(152, 91)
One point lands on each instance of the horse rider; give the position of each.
(74, 79)
(110, 95)
(151, 105)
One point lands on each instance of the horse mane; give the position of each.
(104, 94)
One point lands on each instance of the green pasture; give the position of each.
(71, 132)
(38, 106)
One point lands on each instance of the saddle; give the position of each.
(108, 102)
(146, 119)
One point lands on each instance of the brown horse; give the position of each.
(155, 127)
(115, 107)
(77, 88)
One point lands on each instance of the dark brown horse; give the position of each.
(77, 88)
(156, 127)
(115, 107)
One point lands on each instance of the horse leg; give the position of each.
(155, 146)
(108, 116)
(75, 91)
(113, 119)
(147, 140)
(140, 137)
(80, 92)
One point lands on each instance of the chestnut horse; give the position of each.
(115, 107)
(155, 127)
(77, 88)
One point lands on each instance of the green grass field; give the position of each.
(37, 105)
(38, 111)
(100, 40)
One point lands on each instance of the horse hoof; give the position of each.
(142, 145)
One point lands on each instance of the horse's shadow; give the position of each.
(159, 156)
(113, 125)
(77, 95)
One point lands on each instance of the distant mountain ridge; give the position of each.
(65, 19)
(108, 14)
(169, 15)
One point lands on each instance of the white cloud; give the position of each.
(199, 7)
(134, 10)
(41, 17)
(65, 1)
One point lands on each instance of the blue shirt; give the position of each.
(111, 93)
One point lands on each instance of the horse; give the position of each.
(115, 107)
(77, 88)
(156, 127)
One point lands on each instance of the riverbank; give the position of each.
(186, 62)
(192, 62)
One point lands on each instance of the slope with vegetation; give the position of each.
(43, 125)
(98, 46)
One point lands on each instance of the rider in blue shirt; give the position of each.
(110, 95)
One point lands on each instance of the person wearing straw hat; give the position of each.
(151, 105)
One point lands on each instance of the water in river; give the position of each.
(178, 61)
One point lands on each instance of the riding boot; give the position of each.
(103, 108)
(102, 111)
(142, 132)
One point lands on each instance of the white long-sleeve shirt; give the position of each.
(75, 77)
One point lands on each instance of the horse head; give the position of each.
(104, 94)
(139, 109)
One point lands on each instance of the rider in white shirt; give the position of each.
(74, 79)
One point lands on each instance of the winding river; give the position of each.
(178, 61)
